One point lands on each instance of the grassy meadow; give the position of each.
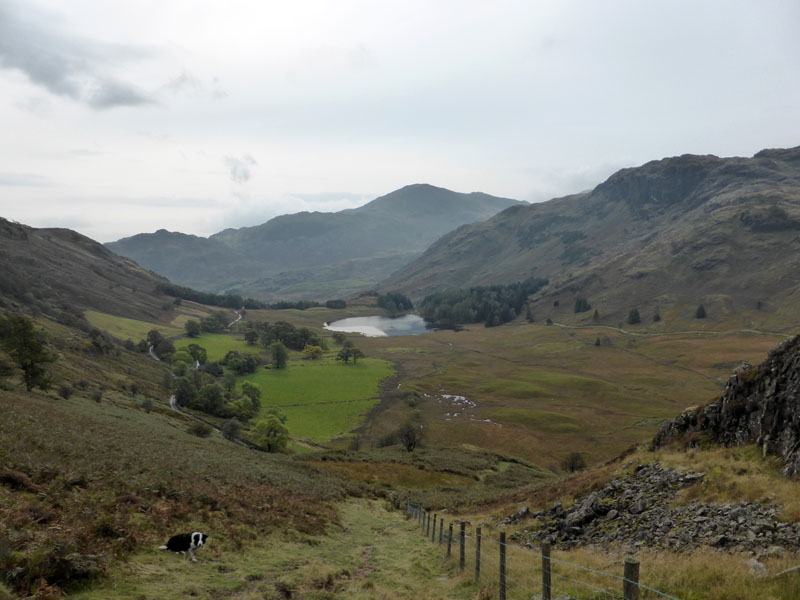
(217, 345)
(123, 328)
(170, 325)
(321, 399)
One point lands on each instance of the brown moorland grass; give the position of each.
(84, 482)
(528, 379)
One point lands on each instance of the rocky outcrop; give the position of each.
(635, 512)
(760, 405)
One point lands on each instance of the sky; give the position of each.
(121, 117)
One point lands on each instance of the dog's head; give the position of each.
(198, 539)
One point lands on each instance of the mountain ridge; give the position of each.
(671, 231)
(401, 223)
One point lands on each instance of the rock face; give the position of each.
(635, 512)
(760, 405)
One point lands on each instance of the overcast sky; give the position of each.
(120, 117)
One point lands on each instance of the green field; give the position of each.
(217, 345)
(322, 399)
(124, 328)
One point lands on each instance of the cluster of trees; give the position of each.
(582, 305)
(236, 301)
(349, 351)
(197, 392)
(294, 338)
(395, 303)
(227, 300)
(492, 305)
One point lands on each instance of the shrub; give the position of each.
(200, 430)
(65, 391)
(147, 405)
(633, 317)
(700, 313)
(231, 429)
(574, 461)
(97, 395)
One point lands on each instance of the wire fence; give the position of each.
(511, 572)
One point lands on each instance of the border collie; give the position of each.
(186, 542)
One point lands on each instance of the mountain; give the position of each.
(60, 272)
(672, 233)
(312, 252)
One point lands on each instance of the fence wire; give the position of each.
(525, 571)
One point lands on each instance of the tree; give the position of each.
(596, 315)
(198, 353)
(410, 436)
(193, 328)
(251, 337)
(184, 391)
(279, 355)
(164, 348)
(251, 391)
(574, 461)
(154, 337)
(700, 313)
(633, 317)
(345, 354)
(356, 353)
(339, 337)
(582, 305)
(231, 428)
(211, 399)
(26, 349)
(312, 352)
(229, 381)
(529, 314)
(656, 316)
(271, 434)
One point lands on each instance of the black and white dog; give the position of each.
(186, 542)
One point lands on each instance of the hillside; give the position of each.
(60, 272)
(308, 254)
(670, 234)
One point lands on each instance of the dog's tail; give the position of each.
(163, 548)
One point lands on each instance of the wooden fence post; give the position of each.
(449, 539)
(441, 530)
(477, 554)
(545, 571)
(428, 526)
(462, 543)
(502, 565)
(433, 535)
(630, 584)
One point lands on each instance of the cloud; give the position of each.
(240, 168)
(187, 83)
(65, 65)
(23, 180)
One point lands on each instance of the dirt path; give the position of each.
(373, 553)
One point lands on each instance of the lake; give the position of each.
(381, 326)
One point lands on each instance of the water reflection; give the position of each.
(381, 326)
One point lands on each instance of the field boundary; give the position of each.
(523, 572)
